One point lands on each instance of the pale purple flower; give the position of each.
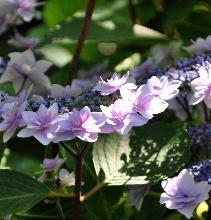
(52, 164)
(183, 193)
(82, 124)
(7, 16)
(178, 109)
(114, 84)
(200, 45)
(24, 8)
(119, 118)
(58, 91)
(83, 84)
(137, 194)
(163, 88)
(143, 68)
(145, 103)
(23, 71)
(67, 178)
(41, 124)
(201, 87)
(19, 41)
(11, 119)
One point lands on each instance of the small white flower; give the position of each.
(67, 178)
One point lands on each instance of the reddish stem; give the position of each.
(134, 16)
(78, 179)
(80, 43)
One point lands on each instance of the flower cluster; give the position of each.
(201, 171)
(201, 135)
(185, 69)
(64, 113)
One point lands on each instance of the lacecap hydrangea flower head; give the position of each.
(64, 113)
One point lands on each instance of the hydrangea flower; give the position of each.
(6, 15)
(67, 178)
(201, 171)
(200, 45)
(201, 87)
(19, 41)
(52, 164)
(114, 84)
(23, 71)
(119, 118)
(145, 103)
(81, 124)
(58, 91)
(184, 70)
(24, 8)
(143, 68)
(201, 135)
(11, 119)
(163, 88)
(183, 193)
(41, 124)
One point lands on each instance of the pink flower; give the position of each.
(145, 103)
(163, 88)
(119, 118)
(41, 124)
(183, 193)
(11, 119)
(52, 164)
(202, 87)
(114, 84)
(81, 124)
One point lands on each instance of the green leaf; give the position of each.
(56, 11)
(158, 151)
(19, 192)
(104, 31)
(151, 153)
(108, 153)
(56, 54)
